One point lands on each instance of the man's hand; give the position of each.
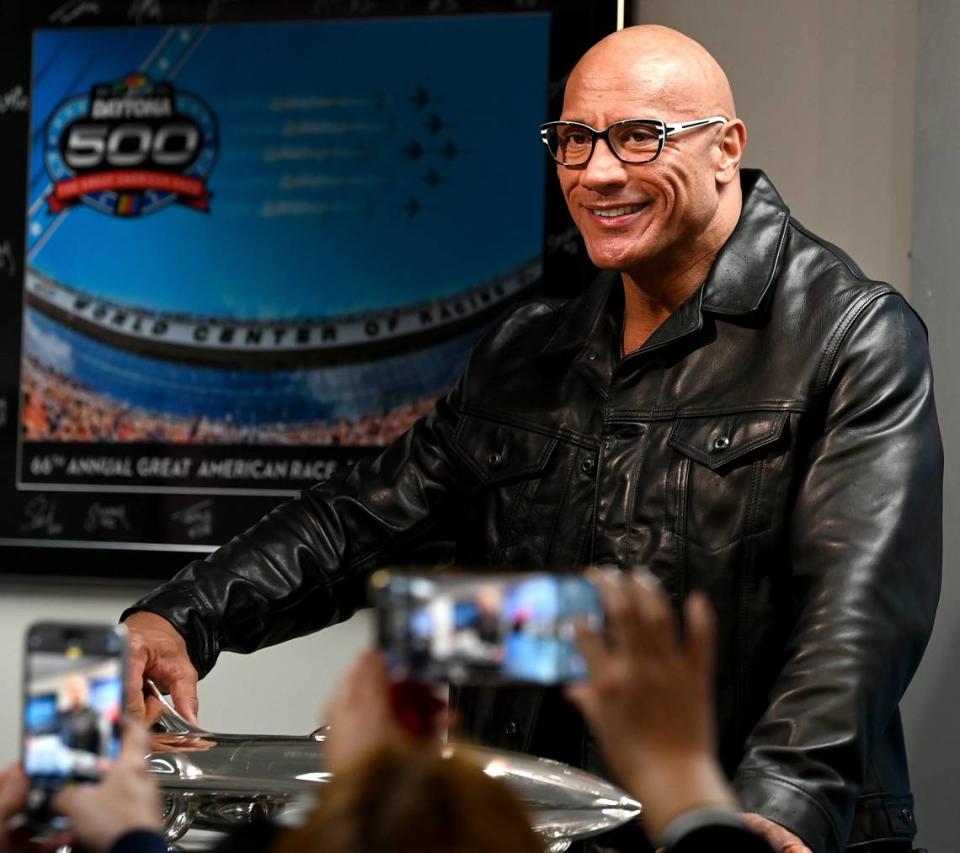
(780, 839)
(158, 651)
(648, 699)
(127, 799)
(360, 715)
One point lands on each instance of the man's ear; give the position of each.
(730, 145)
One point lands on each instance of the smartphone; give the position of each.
(484, 629)
(73, 686)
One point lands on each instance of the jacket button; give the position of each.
(587, 465)
(907, 816)
(494, 460)
(510, 728)
(721, 442)
(592, 355)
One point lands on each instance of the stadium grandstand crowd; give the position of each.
(56, 408)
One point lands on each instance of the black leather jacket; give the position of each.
(774, 443)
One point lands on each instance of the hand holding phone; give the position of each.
(127, 800)
(73, 691)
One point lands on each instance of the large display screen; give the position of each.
(256, 251)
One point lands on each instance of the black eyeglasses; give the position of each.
(635, 140)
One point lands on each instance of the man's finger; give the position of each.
(699, 632)
(654, 625)
(66, 798)
(778, 837)
(618, 610)
(136, 743)
(183, 691)
(13, 791)
(591, 646)
(153, 709)
(583, 696)
(133, 702)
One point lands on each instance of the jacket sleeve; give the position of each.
(304, 566)
(865, 554)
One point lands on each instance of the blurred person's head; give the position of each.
(76, 692)
(404, 800)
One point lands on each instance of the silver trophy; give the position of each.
(218, 781)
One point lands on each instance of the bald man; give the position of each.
(733, 405)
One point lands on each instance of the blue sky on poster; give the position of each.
(295, 230)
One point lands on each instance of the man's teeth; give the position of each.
(618, 211)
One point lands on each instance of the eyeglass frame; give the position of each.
(666, 130)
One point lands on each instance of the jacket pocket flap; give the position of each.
(718, 440)
(496, 451)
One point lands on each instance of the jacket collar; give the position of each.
(747, 264)
(740, 279)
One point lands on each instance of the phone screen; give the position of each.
(73, 701)
(485, 629)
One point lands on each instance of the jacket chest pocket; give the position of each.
(510, 513)
(726, 476)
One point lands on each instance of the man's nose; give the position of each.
(603, 168)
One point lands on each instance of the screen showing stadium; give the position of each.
(253, 252)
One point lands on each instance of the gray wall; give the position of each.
(829, 92)
(824, 88)
(931, 707)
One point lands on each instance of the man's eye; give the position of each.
(575, 138)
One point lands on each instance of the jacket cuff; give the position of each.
(191, 617)
(139, 841)
(785, 802)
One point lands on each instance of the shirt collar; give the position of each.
(738, 282)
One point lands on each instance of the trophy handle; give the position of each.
(170, 721)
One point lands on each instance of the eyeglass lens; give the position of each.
(633, 141)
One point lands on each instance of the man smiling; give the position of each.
(732, 404)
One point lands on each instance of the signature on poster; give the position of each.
(73, 9)
(40, 516)
(8, 263)
(197, 519)
(14, 100)
(106, 517)
(145, 10)
(213, 8)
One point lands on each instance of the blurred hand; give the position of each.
(361, 716)
(648, 698)
(13, 797)
(779, 838)
(158, 651)
(126, 799)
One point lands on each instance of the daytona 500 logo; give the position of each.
(131, 148)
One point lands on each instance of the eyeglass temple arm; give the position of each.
(680, 126)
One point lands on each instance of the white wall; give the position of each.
(930, 710)
(826, 89)
(280, 690)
